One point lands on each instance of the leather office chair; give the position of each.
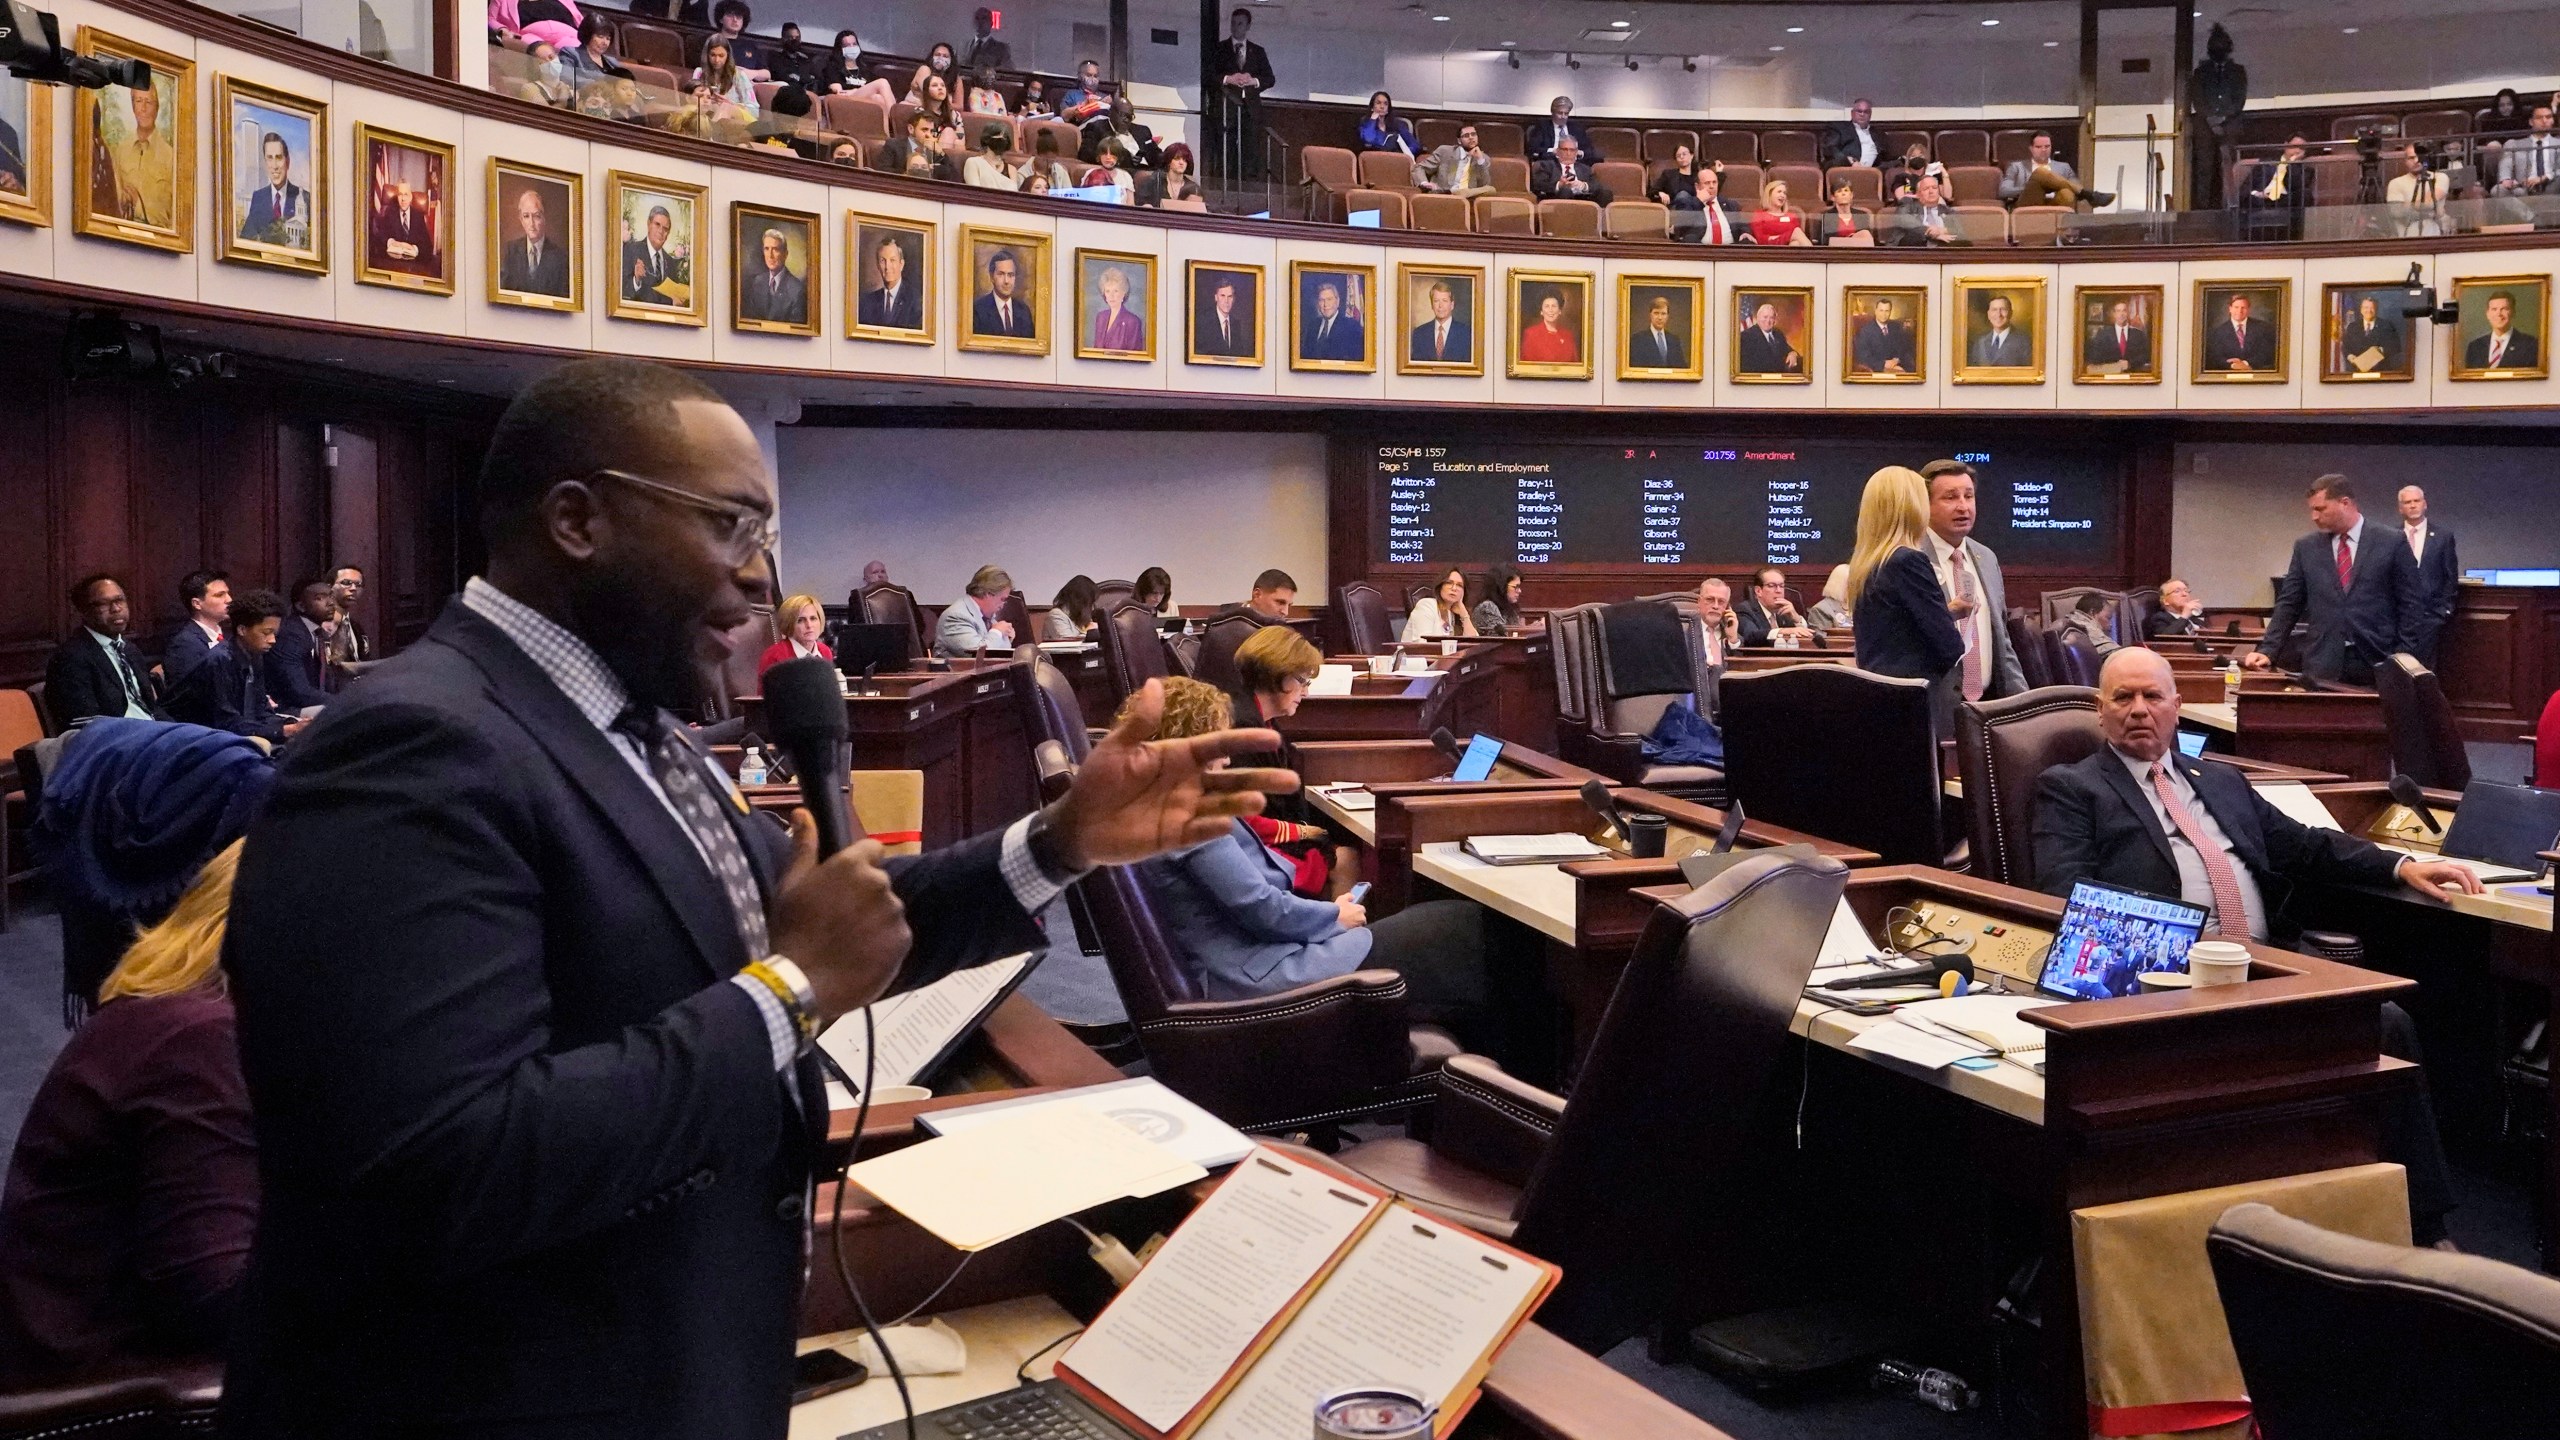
(2002, 746)
(2080, 657)
(892, 605)
(1046, 700)
(1132, 651)
(738, 676)
(2056, 606)
(1364, 619)
(1836, 752)
(1216, 662)
(2426, 744)
(1018, 611)
(2030, 651)
(1107, 593)
(2133, 614)
(2341, 1338)
(1619, 1185)
(1601, 724)
(149, 1405)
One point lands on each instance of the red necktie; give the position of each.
(2346, 565)
(2230, 913)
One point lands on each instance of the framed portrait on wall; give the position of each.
(26, 151)
(1773, 330)
(1999, 330)
(2240, 332)
(1331, 313)
(1443, 316)
(2118, 334)
(2502, 322)
(271, 170)
(1007, 296)
(2363, 336)
(1886, 334)
(890, 294)
(404, 211)
(775, 291)
(655, 251)
(1225, 313)
(1550, 325)
(537, 236)
(133, 152)
(1658, 337)
(1115, 306)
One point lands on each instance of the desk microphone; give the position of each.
(805, 711)
(1447, 744)
(2406, 791)
(1596, 795)
(1930, 975)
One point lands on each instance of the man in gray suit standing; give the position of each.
(1970, 574)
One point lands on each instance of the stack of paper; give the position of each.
(1016, 1173)
(1549, 849)
(1934, 1034)
(1149, 1110)
(1331, 680)
(1349, 795)
(916, 1028)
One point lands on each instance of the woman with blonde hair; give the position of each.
(1777, 223)
(1901, 620)
(801, 619)
(125, 1224)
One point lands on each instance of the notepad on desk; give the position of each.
(1145, 1106)
(1016, 1173)
(1962, 1027)
(1550, 849)
(1331, 680)
(1350, 795)
(1290, 1282)
(917, 1029)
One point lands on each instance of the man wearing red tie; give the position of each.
(2355, 587)
(2118, 343)
(2240, 342)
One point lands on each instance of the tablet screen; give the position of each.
(1477, 763)
(2109, 937)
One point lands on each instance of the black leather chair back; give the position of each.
(893, 605)
(2133, 615)
(1144, 967)
(2058, 605)
(2032, 661)
(2080, 657)
(2426, 743)
(1132, 653)
(738, 676)
(2002, 746)
(162, 1404)
(44, 712)
(1364, 619)
(1463, 697)
(1215, 664)
(1837, 752)
(1046, 700)
(1646, 1155)
(2347, 1339)
(1107, 593)
(1018, 610)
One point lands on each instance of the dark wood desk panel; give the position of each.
(998, 786)
(918, 722)
(2500, 659)
(2339, 730)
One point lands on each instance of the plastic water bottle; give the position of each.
(752, 768)
(2230, 679)
(1927, 1384)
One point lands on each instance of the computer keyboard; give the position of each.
(1045, 1411)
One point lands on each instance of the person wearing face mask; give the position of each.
(791, 62)
(841, 72)
(937, 65)
(1035, 100)
(550, 83)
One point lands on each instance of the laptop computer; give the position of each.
(881, 649)
(1045, 1411)
(2503, 825)
(2109, 937)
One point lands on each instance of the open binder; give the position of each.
(1291, 1281)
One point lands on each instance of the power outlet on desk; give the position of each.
(1996, 947)
(2400, 825)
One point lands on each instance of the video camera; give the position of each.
(31, 48)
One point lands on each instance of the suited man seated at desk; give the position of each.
(2137, 815)
(970, 625)
(1272, 595)
(2179, 613)
(1766, 614)
(97, 671)
(229, 690)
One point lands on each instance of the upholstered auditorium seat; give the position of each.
(1388, 204)
(1637, 220)
(1506, 215)
(1452, 214)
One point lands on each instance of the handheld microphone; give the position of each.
(805, 711)
(1730, 830)
(2407, 792)
(1596, 795)
(1447, 743)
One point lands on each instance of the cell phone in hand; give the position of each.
(824, 1372)
(1359, 893)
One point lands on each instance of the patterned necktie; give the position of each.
(124, 672)
(2217, 863)
(1973, 657)
(689, 792)
(2346, 565)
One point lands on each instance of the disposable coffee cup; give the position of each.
(2217, 962)
(1646, 835)
(1382, 664)
(2165, 980)
(1448, 647)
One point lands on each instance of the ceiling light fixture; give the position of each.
(1689, 63)
(1514, 58)
(1990, 22)
(1774, 49)
(1795, 29)
(2350, 30)
(1440, 19)
(1618, 24)
(2053, 44)
(1631, 62)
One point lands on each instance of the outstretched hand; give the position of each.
(1137, 796)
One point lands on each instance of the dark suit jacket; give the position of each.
(758, 301)
(1644, 350)
(2372, 615)
(906, 314)
(902, 149)
(187, 649)
(1840, 144)
(1461, 344)
(2522, 352)
(228, 692)
(80, 681)
(1238, 340)
(549, 276)
(1903, 628)
(293, 664)
(2161, 623)
(984, 319)
(1870, 348)
(990, 51)
(1752, 623)
(1765, 353)
(2257, 346)
(2297, 185)
(262, 210)
(1547, 177)
(2435, 587)
(1540, 139)
(2101, 347)
(2093, 822)
(2355, 339)
(1142, 143)
(528, 1168)
(1904, 227)
(1257, 63)
(1345, 341)
(635, 257)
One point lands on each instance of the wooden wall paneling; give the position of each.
(301, 492)
(168, 477)
(355, 524)
(94, 503)
(237, 489)
(29, 588)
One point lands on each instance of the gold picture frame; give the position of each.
(411, 247)
(30, 106)
(1345, 342)
(2226, 351)
(2356, 350)
(1423, 351)
(982, 250)
(249, 230)
(756, 305)
(524, 274)
(1203, 343)
(1527, 329)
(662, 278)
(1983, 347)
(148, 187)
(1138, 311)
(2100, 356)
(1779, 351)
(901, 316)
(2473, 295)
(1680, 352)
(1888, 350)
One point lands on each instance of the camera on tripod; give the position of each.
(31, 49)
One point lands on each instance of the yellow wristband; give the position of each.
(803, 1019)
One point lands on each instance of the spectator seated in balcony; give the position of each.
(1675, 188)
(986, 169)
(789, 62)
(1565, 175)
(1853, 141)
(1035, 183)
(1719, 221)
(1383, 129)
(614, 99)
(1904, 174)
(1841, 222)
(1035, 101)
(2276, 190)
(938, 65)
(2042, 179)
(1119, 133)
(845, 152)
(790, 123)
(841, 73)
(1777, 223)
(548, 84)
(1107, 170)
(729, 21)
(918, 153)
(1542, 137)
(553, 21)
(984, 97)
(723, 90)
(2531, 165)
(1925, 218)
(591, 60)
(1046, 165)
(2506, 114)
(2417, 195)
(1173, 182)
(1088, 100)
(1462, 169)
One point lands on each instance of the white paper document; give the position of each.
(1989, 1022)
(1017, 1173)
(1347, 796)
(1066, 647)
(2295, 799)
(1146, 1107)
(1331, 680)
(1928, 1049)
(917, 1025)
(1204, 1298)
(1552, 848)
(1846, 943)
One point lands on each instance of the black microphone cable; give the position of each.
(844, 1168)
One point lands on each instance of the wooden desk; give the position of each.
(2337, 730)
(1524, 687)
(962, 728)
(1390, 768)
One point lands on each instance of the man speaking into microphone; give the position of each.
(525, 992)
